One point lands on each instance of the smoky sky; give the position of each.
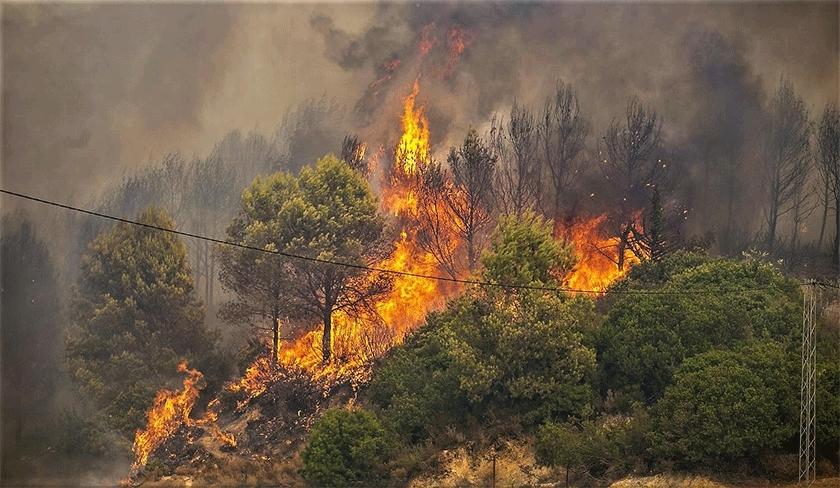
(91, 92)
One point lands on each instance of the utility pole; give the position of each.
(811, 298)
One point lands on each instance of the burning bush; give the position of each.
(517, 352)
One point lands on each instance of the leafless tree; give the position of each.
(353, 153)
(435, 219)
(518, 175)
(631, 162)
(786, 157)
(456, 206)
(828, 162)
(473, 167)
(562, 138)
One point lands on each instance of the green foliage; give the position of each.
(416, 386)
(494, 352)
(647, 336)
(135, 318)
(650, 273)
(345, 448)
(560, 444)
(828, 386)
(523, 252)
(725, 406)
(328, 212)
(604, 446)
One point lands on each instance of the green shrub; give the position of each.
(606, 447)
(647, 336)
(79, 437)
(345, 448)
(727, 406)
(497, 353)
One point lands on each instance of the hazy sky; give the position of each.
(91, 91)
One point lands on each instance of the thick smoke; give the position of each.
(91, 92)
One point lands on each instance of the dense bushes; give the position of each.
(647, 336)
(491, 352)
(707, 379)
(601, 447)
(727, 406)
(346, 447)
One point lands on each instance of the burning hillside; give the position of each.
(359, 339)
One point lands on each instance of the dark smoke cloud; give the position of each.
(92, 91)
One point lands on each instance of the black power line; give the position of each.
(376, 269)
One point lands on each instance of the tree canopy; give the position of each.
(647, 336)
(724, 406)
(327, 213)
(135, 318)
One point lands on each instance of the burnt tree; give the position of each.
(632, 166)
(786, 159)
(562, 132)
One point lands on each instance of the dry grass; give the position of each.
(515, 467)
(669, 481)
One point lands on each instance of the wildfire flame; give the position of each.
(413, 146)
(170, 410)
(596, 255)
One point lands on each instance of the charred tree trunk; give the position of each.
(275, 342)
(824, 216)
(837, 239)
(623, 244)
(326, 340)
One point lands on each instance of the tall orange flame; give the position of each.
(413, 146)
(170, 410)
(596, 255)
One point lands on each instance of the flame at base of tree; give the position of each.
(357, 340)
(170, 410)
(597, 256)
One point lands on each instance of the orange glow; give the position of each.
(427, 40)
(596, 255)
(170, 410)
(357, 340)
(457, 40)
(413, 147)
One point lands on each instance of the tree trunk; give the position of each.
(326, 340)
(771, 230)
(470, 253)
(837, 239)
(275, 343)
(824, 217)
(622, 247)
